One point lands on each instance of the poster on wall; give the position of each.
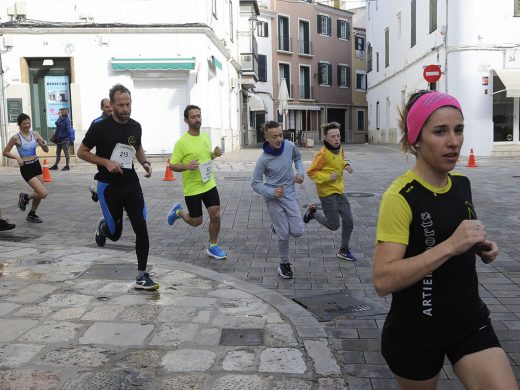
(56, 96)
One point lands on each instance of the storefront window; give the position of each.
(503, 113)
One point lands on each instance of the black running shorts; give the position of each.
(422, 364)
(31, 169)
(194, 202)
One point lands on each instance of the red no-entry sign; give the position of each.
(432, 73)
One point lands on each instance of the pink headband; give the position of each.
(423, 108)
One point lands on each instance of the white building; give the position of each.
(477, 46)
(168, 53)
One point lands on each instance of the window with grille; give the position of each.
(343, 76)
(324, 73)
(343, 29)
(324, 25)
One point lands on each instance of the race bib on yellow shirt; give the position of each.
(205, 171)
(124, 155)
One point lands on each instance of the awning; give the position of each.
(153, 63)
(256, 103)
(303, 107)
(511, 80)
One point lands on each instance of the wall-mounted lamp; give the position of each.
(253, 21)
(48, 62)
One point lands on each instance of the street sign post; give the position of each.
(432, 73)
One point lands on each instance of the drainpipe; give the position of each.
(446, 51)
(3, 109)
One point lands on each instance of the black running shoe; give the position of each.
(309, 214)
(145, 283)
(101, 239)
(31, 217)
(53, 168)
(285, 271)
(65, 168)
(23, 200)
(5, 225)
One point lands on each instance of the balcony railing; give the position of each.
(304, 47)
(249, 63)
(285, 44)
(306, 92)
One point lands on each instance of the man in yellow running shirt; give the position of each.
(192, 156)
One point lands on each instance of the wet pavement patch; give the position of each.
(326, 307)
(17, 237)
(244, 337)
(109, 271)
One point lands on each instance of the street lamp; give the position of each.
(253, 21)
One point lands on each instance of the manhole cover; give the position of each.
(242, 337)
(110, 271)
(329, 306)
(16, 238)
(359, 194)
(116, 247)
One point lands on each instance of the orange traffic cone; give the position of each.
(46, 173)
(168, 174)
(471, 160)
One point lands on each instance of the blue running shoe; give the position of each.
(145, 283)
(345, 253)
(172, 215)
(216, 252)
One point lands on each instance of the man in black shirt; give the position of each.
(117, 140)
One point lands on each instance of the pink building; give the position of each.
(312, 54)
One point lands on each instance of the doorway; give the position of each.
(337, 115)
(50, 91)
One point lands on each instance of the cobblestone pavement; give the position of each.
(70, 218)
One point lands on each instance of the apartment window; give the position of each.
(361, 120)
(285, 73)
(361, 80)
(231, 31)
(262, 29)
(433, 15)
(283, 33)
(343, 76)
(413, 18)
(262, 67)
(324, 25)
(304, 44)
(305, 82)
(324, 73)
(378, 114)
(343, 29)
(377, 62)
(399, 25)
(369, 58)
(517, 7)
(387, 47)
(214, 8)
(359, 43)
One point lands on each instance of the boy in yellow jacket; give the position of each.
(326, 171)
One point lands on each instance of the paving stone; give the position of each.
(240, 382)
(81, 356)
(33, 311)
(29, 379)
(280, 335)
(185, 382)
(32, 293)
(186, 360)
(230, 293)
(68, 300)
(12, 329)
(287, 360)
(174, 334)
(13, 355)
(103, 313)
(52, 332)
(240, 360)
(7, 307)
(332, 384)
(141, 359)
(290, 384)
(116, 334)
(177, 314)
(69, 313)
(140, 313)
(107, 380)
(324, 362)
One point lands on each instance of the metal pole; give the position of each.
(3, 108)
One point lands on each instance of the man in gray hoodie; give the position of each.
(274, 179)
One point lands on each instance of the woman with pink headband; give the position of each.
(427, 237)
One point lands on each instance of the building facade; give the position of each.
(312, 55)
(479, 63)
(359, 77)
(58, 54)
